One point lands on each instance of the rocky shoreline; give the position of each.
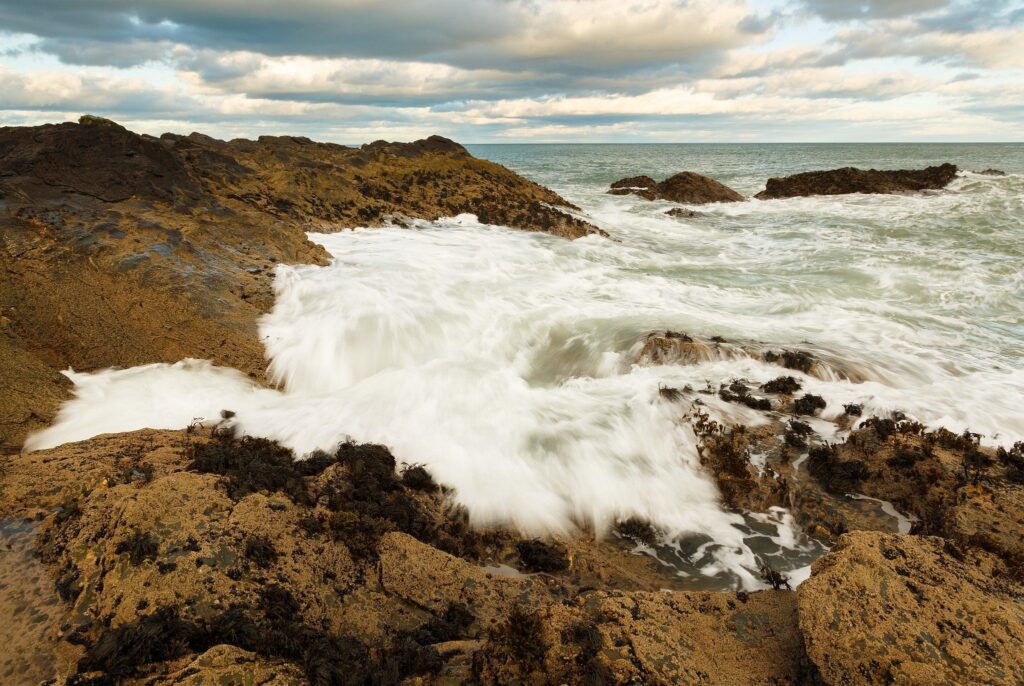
(196, 556)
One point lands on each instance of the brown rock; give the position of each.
(653, 638)
(684, 187)
(226, 664)
(898, 609)
(683, 213)
(853, 180)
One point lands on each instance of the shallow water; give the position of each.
(503, 360)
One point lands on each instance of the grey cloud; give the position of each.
(840, 10)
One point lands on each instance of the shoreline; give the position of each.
(167, 531)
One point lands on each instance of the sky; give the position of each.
(523, 71)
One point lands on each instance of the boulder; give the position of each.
(853, 180)
(912, 610)
(684, 187)
(683, 213)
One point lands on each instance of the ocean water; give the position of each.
(505, 361)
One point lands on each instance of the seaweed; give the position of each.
(260, 551)
(586, 635)
(160, 636)
(797, 432)
(418, 478)
(255, 465)
(1013, 460)
(538, 556)
(774, 578)
(791, 359)
(670, 394)
(521, 635)
(782, 384)
(808, 404)
(838, 476)
(140, 545)
(737, 392)
(639, 530)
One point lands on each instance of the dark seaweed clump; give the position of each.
(257, 465)
(592, 672)
(835, 474)
(269, 628)
(783, 384)
(791, 359)
(737, 392)
(808, 404)
(853, 409)
(1013, 459)
(260, 551)
(774, 578)
(670, 394)
(797, 432)
(521, 636)
(418, 478)
(371, 500)
(140, 546)
(639, 530)
(538, 556)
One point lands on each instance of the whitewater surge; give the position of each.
(504, 361)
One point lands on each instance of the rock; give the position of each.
(992, 172)
(634, 182)
(853, 180)
(683, 213)
(685, 187)
(654, 638)
(898, 609)
(227, 664)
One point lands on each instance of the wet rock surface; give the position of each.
(684, 187)
(853, 180)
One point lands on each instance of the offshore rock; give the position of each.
(853, 180)
(685, 187)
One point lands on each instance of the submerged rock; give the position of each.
(853, 180)
(992, 172)
(683, 213)
(684, 187)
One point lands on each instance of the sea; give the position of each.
(506, 362)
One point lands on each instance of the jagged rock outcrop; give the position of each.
(853, 180)
(685, 187)
(121, 249)
(898, 609)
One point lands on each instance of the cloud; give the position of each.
(354, 70)
(581, 35)
(839, 10)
